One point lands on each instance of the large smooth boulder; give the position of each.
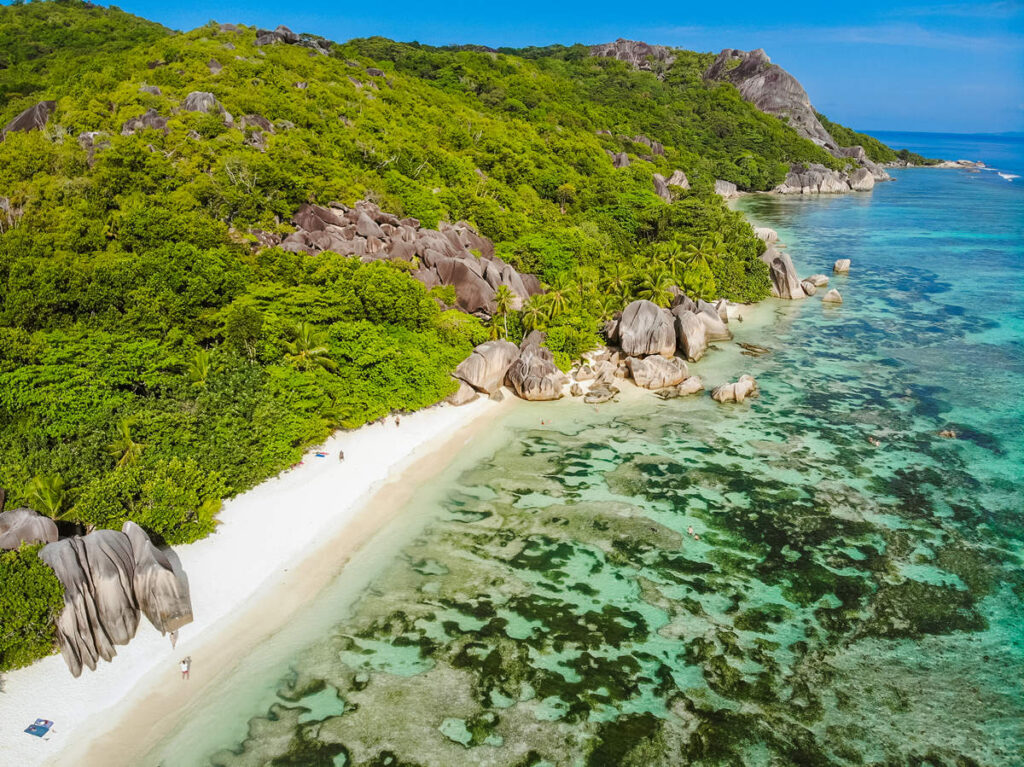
(161, 591)
(33, 118)
(766, 234)
(645, 328)
(771, 89)
(726, 189)
(657, 372)
(861, 180)
(832, 297)
(636, 53)
(534, 376)
(785, 281)
(818, 280)
(485, 369)
(738, 391)
(691, 333)
(100, 609)
(206, 103)
(661, 187)
(18, 526)
(841, 266)
(473, 294)
(714, 328)
(809, 287)
(600, 392)
(678, 178)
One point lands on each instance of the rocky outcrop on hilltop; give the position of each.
(33, 118)
(108, 577)
(454, 254)
(771, 89)
(281, 34)
(636, 53)
(775, 91)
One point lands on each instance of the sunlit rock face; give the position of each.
(771, 89)
(108, 577)
(19, 526)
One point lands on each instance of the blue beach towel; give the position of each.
(40, 728)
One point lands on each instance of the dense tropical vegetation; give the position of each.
(154, 360)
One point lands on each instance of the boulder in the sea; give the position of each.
(832, 297)
(737, 391)
(463, 395)
(645, 328)
(600, 392)
(161, 589)
(657, 372)
(785, 281)
(691, 333)
(691, 385)
(809, 287)
(841, 266)
(861, 180)
(818, 280)
(18, 526)
(714, 328)
(486, 367)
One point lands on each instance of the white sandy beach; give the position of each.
(281, 525)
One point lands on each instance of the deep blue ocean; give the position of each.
(665, 583)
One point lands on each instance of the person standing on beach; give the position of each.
(186, 665)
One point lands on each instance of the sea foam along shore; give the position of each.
(283, 524)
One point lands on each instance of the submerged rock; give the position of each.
(818, 280)
(600, 392)
(738, 391)
(832, 297)
(691, 385)
(645, 328)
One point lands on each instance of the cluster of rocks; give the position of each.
(529, 370)
(455, 254)
(817, 179)
(281, 34)
(785, 281)
(109, 577)
(663, 186)
(637, 54)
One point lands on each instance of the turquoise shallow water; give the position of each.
(544, 604)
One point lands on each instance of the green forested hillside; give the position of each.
(154, 359)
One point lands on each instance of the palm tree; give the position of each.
(534, 314)
(125, 449)
(557, 298)
(200, 367)
(46, 494)
(504, 299)
(607, 305)
(673, 256)
(307, 349)
(616, 279)
(656, 286)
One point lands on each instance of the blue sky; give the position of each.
(944, 66)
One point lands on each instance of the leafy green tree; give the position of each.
(31, 598)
